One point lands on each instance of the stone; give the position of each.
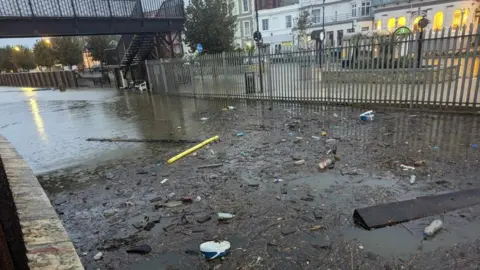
(316, 228)
(141, 249)
(98, 256)
(317, 214)
(59, 201)
(109, 175)
(198, 229)
(307, 218)
(139, 222)
(204, 219)
(296, 157)
(109, 213)
(169, 227)
(142, 172)
(149, 226)
(288, 231)
(307, 198)
(172, 204)
(283, 190)
(156, 199)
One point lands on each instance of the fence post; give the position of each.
(164, 77)
(192, 77)
(270, 87)
(225, 81)
(149, 84)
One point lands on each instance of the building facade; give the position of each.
(340, 18)
(244, 10)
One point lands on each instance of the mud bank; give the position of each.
(304, 220)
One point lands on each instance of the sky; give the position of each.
(28, 42)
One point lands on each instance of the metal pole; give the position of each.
(258, 47)
(324, 34)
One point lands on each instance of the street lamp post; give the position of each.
(258, 38)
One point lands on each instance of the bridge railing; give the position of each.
(92, 8)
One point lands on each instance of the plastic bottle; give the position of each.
(367, 116)
(225, 216)
(433, 228)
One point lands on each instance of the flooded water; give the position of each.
(50, 128)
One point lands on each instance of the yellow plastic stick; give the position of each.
(191, 150)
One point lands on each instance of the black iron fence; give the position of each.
(91, 8)
(435, 68)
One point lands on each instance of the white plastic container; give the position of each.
(413, 178)
(225, 216)
(212, 249)
(433, 228)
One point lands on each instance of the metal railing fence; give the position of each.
(419, 69)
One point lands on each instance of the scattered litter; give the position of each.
(240, 134)
(129, 203)
(204, 118)
(335, 115)
(412, 179)
(298, 138)
(212, 152)
(279, 218)
(367, 116)
(141, 249)
(316, 228)
(191, 150)
(187, 200)
(210, 166)
(407, 168)
(436, 148)
(164, 181)
(212, 249)
(360, 247)
(278, 180)
(474, 146)
(173, 204)
(316, 137)
(323, 133)
(419, 162)
(331, 141)
(231, 108)
(244, 154)
(198, 199)
(299, 162)
(225, 216)
(326, 163)
(433, 228)
(171, 195)
(191, 252)
(98, 256)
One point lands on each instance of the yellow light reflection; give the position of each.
(37, 118)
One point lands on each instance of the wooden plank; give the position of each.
(382, 215)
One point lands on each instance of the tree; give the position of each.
(6, 59)
(67, 51)
(22, 58)
(303, 23)
(43, 53)
(98, 44)
(211, 23)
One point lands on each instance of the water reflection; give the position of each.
(37, 118)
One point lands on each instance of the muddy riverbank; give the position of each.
(302, 221)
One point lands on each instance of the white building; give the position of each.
(389, 14)
(277, 26)
(339, 17)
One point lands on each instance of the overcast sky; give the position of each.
(18, 41)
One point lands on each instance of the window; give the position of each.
(330, 37)
(265, 24)
(460, 17)
(246, 6)
(391, 24)
(437, 21)
(246, 29)
(402, 21)
(351, 30)
(366, 8)
(379, 24)
(415, 24)
(365, 28)
(316, 15)
(335, 17)
(288, 21)
(354, 10)
(339, 37)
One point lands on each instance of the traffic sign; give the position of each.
(199, 48)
